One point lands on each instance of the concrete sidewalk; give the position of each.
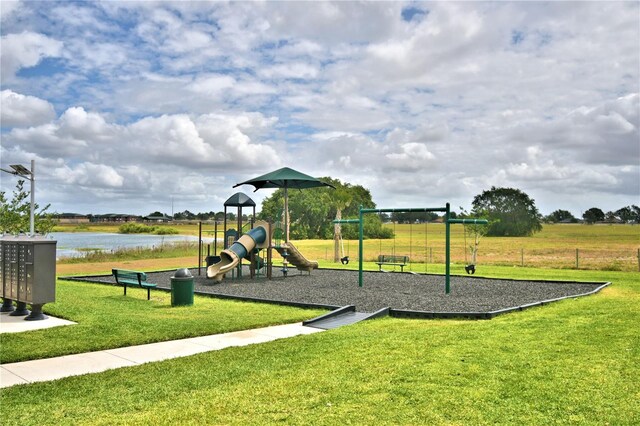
(9, 324)
(41, 370)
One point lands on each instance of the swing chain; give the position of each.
(470, 269)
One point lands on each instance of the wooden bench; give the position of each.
(388, 259)
(133, 278)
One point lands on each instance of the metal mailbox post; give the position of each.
(27, 274)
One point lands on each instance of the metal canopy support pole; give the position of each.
(447, 266)
(239, 267)
(269, 252)
(360, 246)
(286, 214)
(215, 237)
(200, 248)
(224, 230)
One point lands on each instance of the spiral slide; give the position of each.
(231, 257)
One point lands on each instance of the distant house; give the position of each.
(157, 218)
(114, 218)
(72, 218)
(570, 220)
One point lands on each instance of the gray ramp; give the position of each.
(344, 316)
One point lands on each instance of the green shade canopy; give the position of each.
(285, 178)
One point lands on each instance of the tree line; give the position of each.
(628, 214)
(510, 212)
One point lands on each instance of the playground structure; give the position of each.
(243, 248)
(248, 247)
(448, 221)
(239, 245)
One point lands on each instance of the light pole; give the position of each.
(23, 172)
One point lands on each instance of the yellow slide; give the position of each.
(296, 258)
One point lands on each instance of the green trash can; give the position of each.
(182, 288)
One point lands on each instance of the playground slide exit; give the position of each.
(231, 257)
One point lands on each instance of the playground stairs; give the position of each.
(346, 315)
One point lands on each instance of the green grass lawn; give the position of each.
(571, 362)
(108, 319)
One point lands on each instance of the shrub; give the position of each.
(164, 230)
(135, 228)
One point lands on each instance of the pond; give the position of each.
(72, 244)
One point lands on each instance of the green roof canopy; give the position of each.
(285, 178)
(239, 200)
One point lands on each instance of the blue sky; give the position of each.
(129, 107)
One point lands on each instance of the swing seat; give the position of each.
(345, 260)
(471, 269)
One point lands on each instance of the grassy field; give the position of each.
(571, 362)
(563, 246)
(600, 247)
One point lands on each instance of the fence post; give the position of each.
(577, 258)
(639, 260)
(522, 257)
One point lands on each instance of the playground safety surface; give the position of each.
(406, 294)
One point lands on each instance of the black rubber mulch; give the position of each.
(400, 291)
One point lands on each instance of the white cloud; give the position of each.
(412, 157)
(8, 8)
(89, 175)
(78, 124)
(298, 70)
(25, 50)
(190, 97)
(17, 110)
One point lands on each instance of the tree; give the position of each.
(15, 214)
(185, 215)
(342, 199)
(629, 214)
(561, 216)
(610, 217)
(593, 215)
(312, 211)
(511, 212)
(474, 232)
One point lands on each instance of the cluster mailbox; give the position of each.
(27, 274)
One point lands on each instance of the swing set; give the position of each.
(447, 221)
(394, 259)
